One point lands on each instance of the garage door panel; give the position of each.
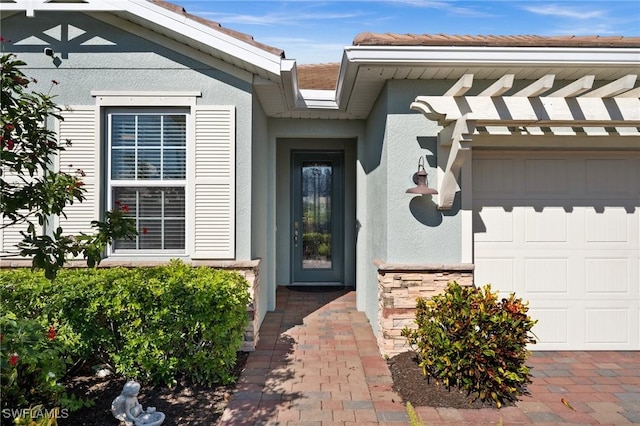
(552, 326)
(546, 225)
(605, 276)
(493, 224)
(546, 275)
(601, 173)
(607, 225)
(566, 237)
(607, 325)
(546, 176)
(498, 272)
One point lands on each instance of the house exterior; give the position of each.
(231, 155)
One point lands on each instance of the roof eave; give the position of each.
(168, 23)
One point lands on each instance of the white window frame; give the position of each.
(162, 103)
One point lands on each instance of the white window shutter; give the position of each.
(213, 183)
(10, 236)
(79, 127)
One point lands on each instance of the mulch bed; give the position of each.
(419, 390)
(185, 404)
(196, 405)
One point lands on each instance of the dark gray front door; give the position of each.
(317, 227)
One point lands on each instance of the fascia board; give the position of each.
(317, 99)
(289, 79)
(186, 27)
(469, 55)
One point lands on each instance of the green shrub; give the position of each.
(151, 324)
(465, 337)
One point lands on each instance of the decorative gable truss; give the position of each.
(613, 108)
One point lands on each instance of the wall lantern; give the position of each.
(420, 179)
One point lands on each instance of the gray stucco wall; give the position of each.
(95, 56)
(261, 207)
(400, 227)
(418, 232)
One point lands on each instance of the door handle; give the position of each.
(295, 234)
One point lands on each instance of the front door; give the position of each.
(317, 227)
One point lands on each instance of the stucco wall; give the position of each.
(372, 210)
(400, 227)
(96, 56)
(261, 208)
(418, 232)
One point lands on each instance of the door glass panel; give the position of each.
(316, 214)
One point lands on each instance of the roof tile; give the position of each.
(216, 26)
(318, 76)
(392, 39)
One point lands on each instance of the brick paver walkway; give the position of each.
(317, 363)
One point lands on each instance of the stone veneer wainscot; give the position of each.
(399, 285)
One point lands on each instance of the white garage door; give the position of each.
(562, 230)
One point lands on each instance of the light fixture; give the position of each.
(420, 179)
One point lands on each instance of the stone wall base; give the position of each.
(399, 286)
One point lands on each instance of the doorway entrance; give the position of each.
(317, 219)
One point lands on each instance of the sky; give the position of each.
(317, 31)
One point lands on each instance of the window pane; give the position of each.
(174, 231)
(175, 162)
(175, 130)
(125, 199)
(148, 164)
(151, 203)
(123, 130)
(150, 234)
(123, 163)
(174, 203)
(149, 130)
(159, 213)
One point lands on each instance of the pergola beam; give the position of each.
(499, 87)
(538, 111)
(574, 89)
(461, 87)
(614, 88)
(537, 88)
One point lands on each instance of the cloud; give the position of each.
(565, 12)
(272, 19)
(446, 6)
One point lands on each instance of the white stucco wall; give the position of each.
(134, 60)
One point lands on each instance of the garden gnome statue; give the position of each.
(127, 409)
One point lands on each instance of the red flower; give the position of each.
(117, 202)
(10, 144)
(14, 359)
(124, 208)
(9, 127)
(52, 333)
(144, 230)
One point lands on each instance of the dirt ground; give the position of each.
(192, 404)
